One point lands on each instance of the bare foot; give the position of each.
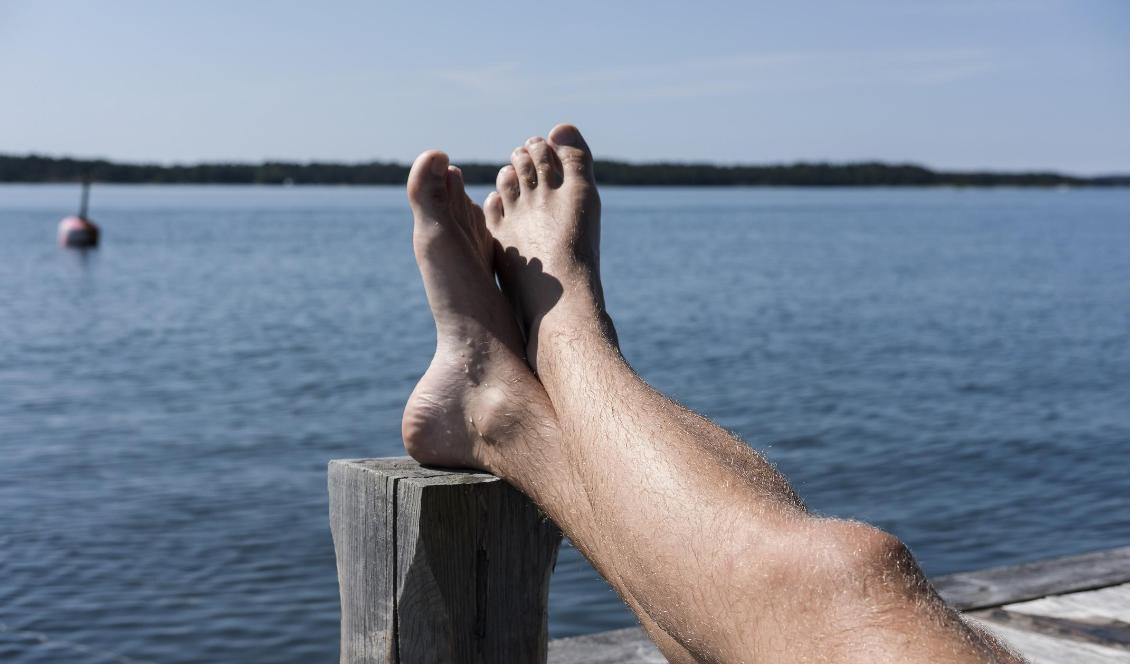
(478, 392)
(545, 216)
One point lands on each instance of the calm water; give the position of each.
(951, 365)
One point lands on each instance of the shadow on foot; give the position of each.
(531, 274)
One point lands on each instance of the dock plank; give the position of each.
(621, 646)
(1073, 609)
(1005, 585)
(1105, 604)
(1043, 649)
(1113, 634)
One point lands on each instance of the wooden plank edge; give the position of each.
(1112, 634)
(996, 586)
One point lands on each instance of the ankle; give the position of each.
(521, 442)
(570, 337)
(580, 309)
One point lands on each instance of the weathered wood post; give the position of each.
(438, 566)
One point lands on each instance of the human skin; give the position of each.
(702, 537)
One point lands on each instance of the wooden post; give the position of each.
(438, 566)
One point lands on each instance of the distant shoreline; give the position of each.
(35, 169)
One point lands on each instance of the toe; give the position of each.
(571, 149)
(455, 182)
(427, 181)
(456, 193)
(507, 185)
(493, 210)
(545, 162)
(523, 164)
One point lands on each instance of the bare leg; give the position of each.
(706, 539)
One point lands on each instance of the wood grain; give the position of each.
(1016, 583)
(1041, 648)
(1110, 634)
(438, 566)
(1099, 606)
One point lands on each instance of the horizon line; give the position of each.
(607, 160)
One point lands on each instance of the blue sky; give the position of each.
(1003, 84)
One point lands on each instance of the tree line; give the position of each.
(37, 168)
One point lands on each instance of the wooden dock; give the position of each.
(437, 566)
(1073, 610)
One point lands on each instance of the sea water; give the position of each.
(951, 365)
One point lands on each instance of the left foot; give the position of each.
(478, 392)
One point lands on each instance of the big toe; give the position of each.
(572, 151)
(427, 182)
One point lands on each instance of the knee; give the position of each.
(862, 562)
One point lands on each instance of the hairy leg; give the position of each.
(707, 539)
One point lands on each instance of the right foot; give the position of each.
(478, 393)
(545, 217)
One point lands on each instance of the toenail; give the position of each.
(567, 133)
(438, 167)
(534, 139)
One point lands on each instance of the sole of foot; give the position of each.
(475, 393)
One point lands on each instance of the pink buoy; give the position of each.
(78, 231)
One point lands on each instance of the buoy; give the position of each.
(78, 231)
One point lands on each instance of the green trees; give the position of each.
(36, 168)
